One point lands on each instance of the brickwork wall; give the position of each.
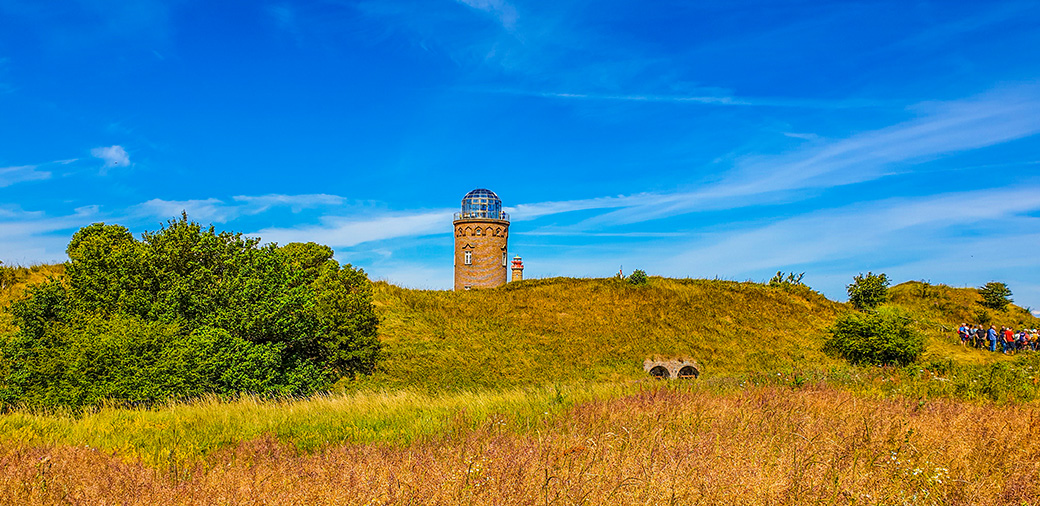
(487, 249)
(518, 275)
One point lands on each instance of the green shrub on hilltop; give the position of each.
(868, 292)
(882, 337)
(184, 312)
(995, 295)
(638, 278)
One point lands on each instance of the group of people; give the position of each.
(1006, 339)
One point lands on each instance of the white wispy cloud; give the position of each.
(261, 203)
(524, 212)
(947, 127)
(502, 10)
(285, 16)
(351, 231)
(211, 209)
(218, 211)
(944, 128)
(32, 236)
(15, 211)
(21, 173)
(901, 225)
(711, 96)
(113, 156)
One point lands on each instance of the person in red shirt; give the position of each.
(1009, 340)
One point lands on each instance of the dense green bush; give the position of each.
(885, 336)
(638, 277)
(868, 292)
(183, 312)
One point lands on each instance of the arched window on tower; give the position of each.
(468, 258)
(477, 231)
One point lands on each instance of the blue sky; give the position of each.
(700, 139)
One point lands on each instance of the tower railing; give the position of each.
(501, 215)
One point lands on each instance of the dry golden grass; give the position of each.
(678, 445)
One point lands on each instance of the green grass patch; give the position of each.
(177, 435)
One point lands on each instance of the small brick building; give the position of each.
(481, 235)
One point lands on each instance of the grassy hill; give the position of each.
(940, 309)
(562, 329)
(942, 303)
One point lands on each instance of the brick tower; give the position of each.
(481, 231)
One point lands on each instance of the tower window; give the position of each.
(503, 259)
(468, 258)
(477, 232)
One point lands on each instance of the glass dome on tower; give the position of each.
(482, 203)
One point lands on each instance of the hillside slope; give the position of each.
(544, 331)
(942, 303)
(940, 309)
(20, 278)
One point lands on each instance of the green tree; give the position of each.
(187, 310)
(885, 336)
(995, 295)
(868, 292)
(638, 277)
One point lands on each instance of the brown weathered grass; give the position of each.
(770, 445)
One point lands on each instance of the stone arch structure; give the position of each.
(661, 372)
(689, 371)
(672, 369)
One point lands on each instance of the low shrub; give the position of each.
(885, 336)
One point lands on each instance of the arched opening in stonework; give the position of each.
(689, 372)
(490, 230)
(660, 372)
